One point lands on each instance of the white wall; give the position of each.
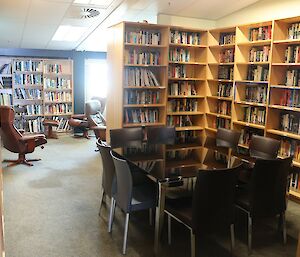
(264, 10)
(185, 22)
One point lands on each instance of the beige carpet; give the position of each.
(51, 210)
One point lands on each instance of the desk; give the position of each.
(165, 170)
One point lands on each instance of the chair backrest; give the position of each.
(268, 186)
(124, 183)
(10, 134)
(227, 138)
(125, 137)
(263, 147)
(102, 101)
(108, 176)
(161, 135)
(93, 113)
(213, 199)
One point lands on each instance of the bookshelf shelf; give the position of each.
(146, 65)
(248, 124)
(57, 114)
(214, 130)
(222, 63)
(129, 125)
(219, 98)
(188, 63)
(145, 45)
(186, 79)
(283, 133)
(288, 108)
(185, 113)
(179, 147)
(252, 63)
(186, 96)
(187, 45)
(219, 115)
(286, 64)
(250, 103)
(255, 43)
(243, 146)
(284, 87)
(189, 128)
(252, 81)
(6, 75)
(287, 41)
(142, 105)
(224, 46)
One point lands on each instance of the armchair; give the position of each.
(96, 121)
(16, 142)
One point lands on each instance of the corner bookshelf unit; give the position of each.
(39, 89)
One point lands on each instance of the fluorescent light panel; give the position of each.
(68, 33)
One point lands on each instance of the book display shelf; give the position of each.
(39, 89)
(245, 78)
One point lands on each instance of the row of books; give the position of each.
(226, 56)
(295, 181)
(30, 125)
(28, 65)
(180, 37)
(224, 107)
(289, 147)
(225, 72)
(254, 115)
(182, 105)
(63, 124)
(224, 89)
(58, 96)
(5, 67)
(143, 37)
(184, 88)
(290, 123)
(177, 71)
(290, 98)
(28, 79)
(221, 123)
(179, 121)
(258, 73)
(133, 56)
(292, 77)
(53, 68)
(179, 55)
(141, 115)
(61, 108)
(179, 155)
(21, 93)
(292, 54)
(148, 166)
(6, 99)
(140, 77)
(57, 83)
(227, 38)
(184, 137)
(294, 31)
(260, 33)
(259, 55)
(256, 93)
(5, 82)
(246, 135)
(141, 97)
(31, 109)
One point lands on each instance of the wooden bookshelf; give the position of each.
(35, 85)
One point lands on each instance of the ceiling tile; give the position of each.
(12, 32)
(14, 9)
(46, 12)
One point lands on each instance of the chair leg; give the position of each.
(232, 237)
(169, 230)
(111, 214)
(193, 244)
(284, 228)
(249, 234)
(21, 160)
(125, 233)
(150, 217)
(101, 199)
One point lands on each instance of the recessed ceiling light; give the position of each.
(68, 33)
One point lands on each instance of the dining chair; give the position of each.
(129, 197)
(108, 178)
(263, 147)
(265, 195)
(211, 206)
(126, 137)
(161, 135)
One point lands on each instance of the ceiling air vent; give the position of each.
(87, 13)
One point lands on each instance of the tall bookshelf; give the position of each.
(186, 95)
(39, 89)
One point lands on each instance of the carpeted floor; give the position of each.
(51, 210)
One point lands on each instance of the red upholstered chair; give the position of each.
(16, 142)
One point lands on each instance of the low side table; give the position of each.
(48, 128)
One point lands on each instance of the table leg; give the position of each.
(159, 216)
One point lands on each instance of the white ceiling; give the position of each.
(32, 23)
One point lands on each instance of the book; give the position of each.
(181, 37)
(226, 56)
(182, 88)
(255, 115)
(144, 37)
(140, 77)
(227, 38)
(225, 72)
(224, 89)
(259, 54)
(258, 73)
(256, 93)
(260, 33)
(179, 55)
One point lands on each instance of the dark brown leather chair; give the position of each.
(79, 121)
(16, 142)
(95, 119)
(126, 137)
(161, 135)
(265, 195)
(227, 138)
(263, 147)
